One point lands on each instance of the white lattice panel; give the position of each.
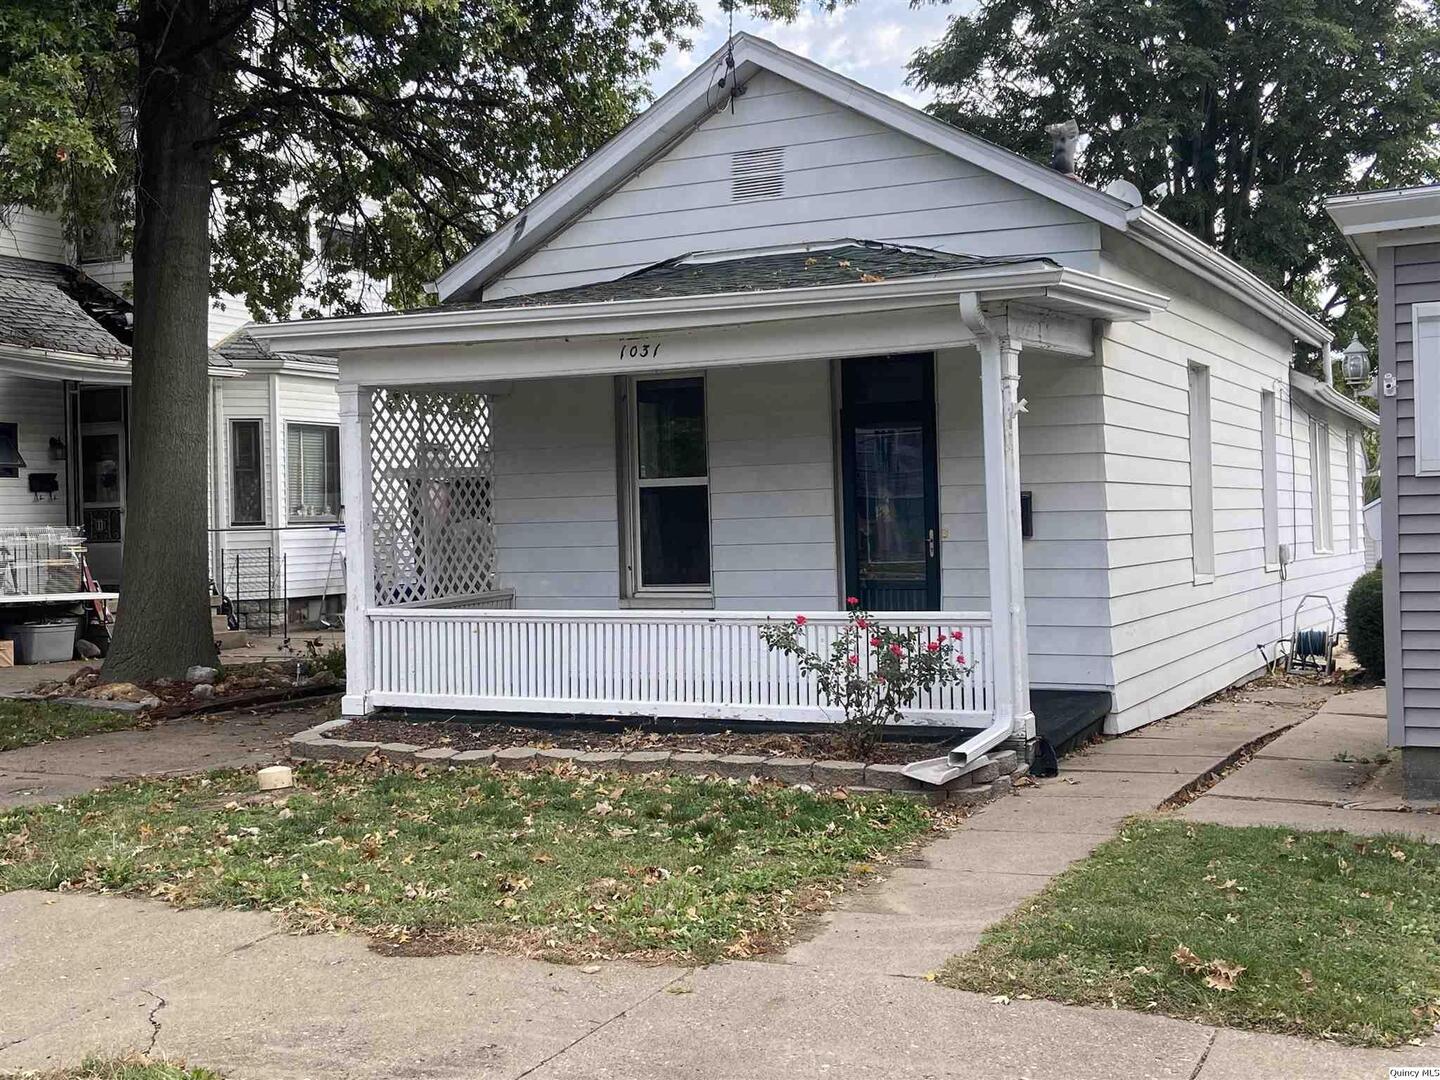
(432, 474)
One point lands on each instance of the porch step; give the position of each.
(218, 624)
(231, 639)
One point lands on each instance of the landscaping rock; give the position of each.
(515, 757)
(693, 763)
(554, 755)
(332, 749)
(1002, 786)
(399, 753)
(600, 759)
(200, 674)
(203, 691)
(643, 761)
(838, 773)
(969, 796)
(1007, 761)
(436, 755)
(985, 774)
(738, 766)
(789, 770)
(889, 778)
(472, 757)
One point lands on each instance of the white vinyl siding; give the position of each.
(247, 472)
(313, 473)
(37, 409)
(34, 234)
(1269, 480)
(1202, 476)
(1321, 492)
(845, 175)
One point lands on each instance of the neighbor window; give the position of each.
(1352, 488)
(1202, 482)
(313, 472)
(669, 487)
(1269, 480)
(247, 473)
(10, 460)
(1320, 493)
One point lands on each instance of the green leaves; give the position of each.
(1244, 116)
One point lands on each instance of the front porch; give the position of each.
(574, 506)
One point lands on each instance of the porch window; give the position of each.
(313, 472)
(247, 473)
(10, 460)
(1320, 493)
(1202, 479)
(669, 487)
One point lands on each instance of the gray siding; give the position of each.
(1409, 275)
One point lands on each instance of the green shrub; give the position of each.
(1365, 622)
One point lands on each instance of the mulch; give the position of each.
(470, 735)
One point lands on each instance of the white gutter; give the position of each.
(1084, 293)
(57, 366)
(1328, 396)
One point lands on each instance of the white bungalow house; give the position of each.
(789, 341)
(274, 499)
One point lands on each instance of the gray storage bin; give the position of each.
(43, 643)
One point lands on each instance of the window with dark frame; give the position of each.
(312, 465)
(247, 473)
(670, 483)
(10, 460)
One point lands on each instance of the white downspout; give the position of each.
(1001, 408)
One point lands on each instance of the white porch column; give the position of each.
(356, 494)
(999, 389)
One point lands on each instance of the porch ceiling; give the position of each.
(1039, 304)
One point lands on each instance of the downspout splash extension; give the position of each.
(965, 758)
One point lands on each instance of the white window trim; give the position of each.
(634, 593)
(1200, 432)
(1270, 479)
(1424, 374)
(311, 523)
(1322, 509)
(1353, 472)
(258, 421)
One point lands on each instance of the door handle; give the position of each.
(930, 541)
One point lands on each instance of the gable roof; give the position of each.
(56, 308)
(835, 262)
(676, 114)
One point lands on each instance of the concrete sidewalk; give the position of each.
(1332, 772)
(229, 990)
(232, 740)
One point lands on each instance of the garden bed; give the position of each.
(618, 735)
(212, 689)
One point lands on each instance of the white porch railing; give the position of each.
(694, 664)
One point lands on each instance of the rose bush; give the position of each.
(872, 671)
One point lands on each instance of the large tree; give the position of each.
(1235, 117)
(225, 129)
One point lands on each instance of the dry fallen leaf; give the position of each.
(590, 969)
(1187, 959)
(1307, 979)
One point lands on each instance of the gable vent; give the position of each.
(757, 174)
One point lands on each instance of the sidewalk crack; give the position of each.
(1205, 1054)
(152, 1020)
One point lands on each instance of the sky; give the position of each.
(870, 42)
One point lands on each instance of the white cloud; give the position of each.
(870, 42)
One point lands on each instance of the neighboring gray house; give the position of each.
(787, 341)
(1397, 234)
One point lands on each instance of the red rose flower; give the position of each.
(852, 660)
(800, 620)
(875, 641)
(896, 649)
(862, 623)
(934, 646)
(940, 638)
(852, 601)
(959, 659)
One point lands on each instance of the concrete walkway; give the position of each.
(57, 770)
(1332, 772)
(229, 990)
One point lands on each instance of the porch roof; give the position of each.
(55, 307)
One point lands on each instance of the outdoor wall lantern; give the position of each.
(1355, 366)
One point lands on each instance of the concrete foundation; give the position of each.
(1420, 766)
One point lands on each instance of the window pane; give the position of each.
(247, 483)
(671, 420)
(313, 472)
(675, 536)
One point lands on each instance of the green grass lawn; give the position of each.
(564, 864)
(130, 1068)
(1335, 935)
(25, 723)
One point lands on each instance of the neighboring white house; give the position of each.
(765, 351)
(274, 501)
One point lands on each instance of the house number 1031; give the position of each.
(639, 351)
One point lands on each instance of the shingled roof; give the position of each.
(55, 307)
(841, 262)
(240, 348)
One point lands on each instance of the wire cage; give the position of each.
(41, 560)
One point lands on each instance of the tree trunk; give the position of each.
(164, 624)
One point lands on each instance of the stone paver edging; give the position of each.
(992, 779)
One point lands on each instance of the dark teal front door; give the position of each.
(890, 488)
